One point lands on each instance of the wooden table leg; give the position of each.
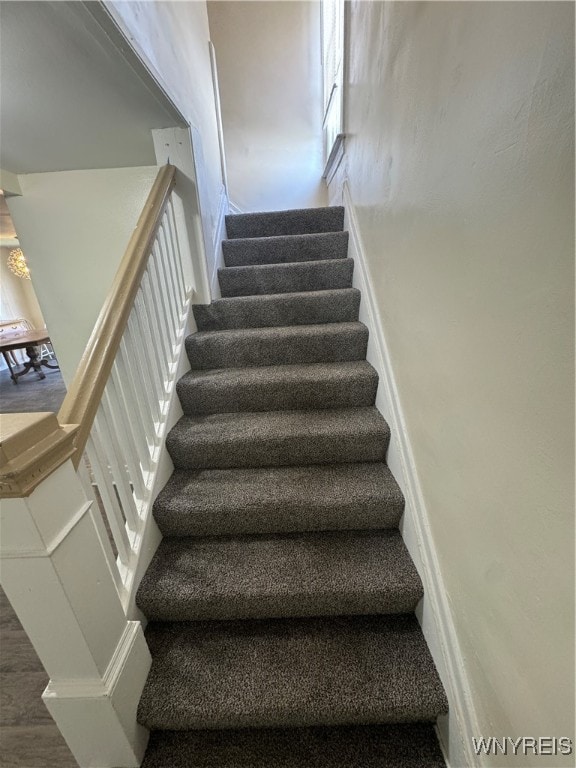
(32, 364)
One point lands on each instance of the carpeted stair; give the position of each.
(281, 600)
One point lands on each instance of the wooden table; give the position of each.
(27, 340)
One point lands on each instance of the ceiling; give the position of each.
(70, 99)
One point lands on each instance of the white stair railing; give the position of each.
(124, 444)
(77, 491)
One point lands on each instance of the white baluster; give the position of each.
(86, 480)
(162, 296)
(176, 249)
(169, 248)
(129, 384)
(118, 468)
(140, 357)
(123, 426)
(157, 342)
(98, 461)
(189, 264)
(153, 298)
(148, 354)
(164, 263)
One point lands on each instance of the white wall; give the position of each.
(69, 97)
(269, 70)
(460, 166)
(74, 227)
(172, 38)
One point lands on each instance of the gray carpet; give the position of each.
(32, 394)
(282, 596)
(286, 278)
(280, 575)
(279, 499)
(289, 672)
(332, 306)
(285, 249)
(239, 347)
(279, 387)
(299, 221)
(278, 438)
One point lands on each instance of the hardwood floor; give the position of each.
(29, 737)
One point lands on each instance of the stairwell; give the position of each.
(281, 599)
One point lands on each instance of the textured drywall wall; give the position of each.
(269, 72)
(69, 98)
(461, 170)
(172, 37)
(74, 227)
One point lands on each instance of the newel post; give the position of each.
(55, 573)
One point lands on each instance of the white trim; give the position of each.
(455, 732)
(54, 544)
(217, 107)
(97, 716)
(334, 158)
(97, 687)
(219, 235)
(234, 209)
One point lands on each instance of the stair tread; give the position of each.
(304, 574)
(293, 221)
(279, 309)
(412, 745)
(285, 278)
(276, 499)
(289, 672)
(278, 438)
(320, 246)
(278, 345)
(278, 387)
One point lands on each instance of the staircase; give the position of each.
(281, 599)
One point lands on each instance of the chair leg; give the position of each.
(7, 356)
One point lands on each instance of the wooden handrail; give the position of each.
(83, 398)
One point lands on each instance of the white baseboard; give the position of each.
(219, 235)
(455, 731)
(98, 717)
(234, 208)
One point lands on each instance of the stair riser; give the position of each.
(369, 716)
(293, 278)
(393, 746)
(294, 222)
(283, 250)
(281, 518)
(290, 309)
(293, 606)
(277, 451)
(210, 351)
(202, 398)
